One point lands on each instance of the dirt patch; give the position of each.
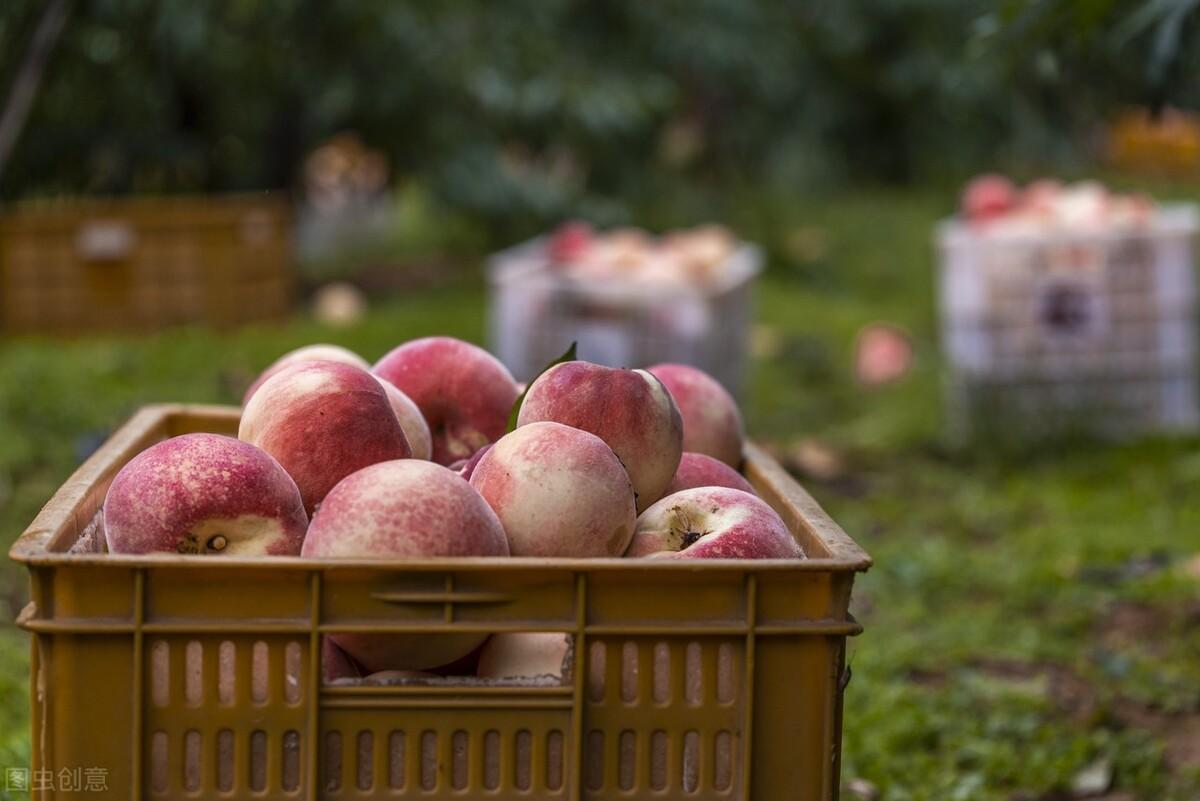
(1178, 732)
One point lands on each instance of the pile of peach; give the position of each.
(689, 257)
(995, 205)
(411, 459)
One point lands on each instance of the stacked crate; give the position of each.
(80, 266)
(535, 313)
(1063, 332)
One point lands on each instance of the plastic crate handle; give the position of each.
(410, 597)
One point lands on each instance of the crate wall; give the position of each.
(534, 315)
(1071, 332)
(79, 266)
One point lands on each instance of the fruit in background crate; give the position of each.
(404, 509)
(569, 242)
(309, 353)
(323, 421)
(463, 391)
(713, 523)
(701, 470)
(712, 423)
(988, 197)
(630, 410)
(416, 430)
(558, 491)
(204, 494)
(524, 654)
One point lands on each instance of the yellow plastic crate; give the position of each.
(76, 266)
(188, 677)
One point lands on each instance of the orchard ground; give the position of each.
(1031, 619)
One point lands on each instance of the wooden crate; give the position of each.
(141, 264)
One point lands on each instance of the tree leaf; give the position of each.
(568, 356)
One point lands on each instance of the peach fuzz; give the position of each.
(416, 430)
(308, 353)
(204, 494)
(700, 470)
(630, 410)
(558, 491)
(712, 424)
(404, 509)
(463, 391)
(713, 523)
(323, 421)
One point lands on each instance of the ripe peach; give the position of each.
(524, 654)
(630, 410)
(712, 424)
(463, 391)
(323, 421)
(987, 197)
(309, 353)
(701, 470)
(204, 494)
(404, 509)
(713, 523)
(558, 491)
(416, 430)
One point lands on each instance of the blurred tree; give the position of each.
(526, 110)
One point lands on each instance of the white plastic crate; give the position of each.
(1071, 331)
(535, 314)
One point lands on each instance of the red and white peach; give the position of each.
(204, 494)
(323, 421)
(309, 353)
(416, 430)
(463, 391)
(713, 523)
(701, 470)
(712, 424)
(404, 509)
(630, 410)
(558, 491)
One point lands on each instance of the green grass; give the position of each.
(1028, 615)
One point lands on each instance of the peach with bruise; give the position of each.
(463, 391)
(395, 511)
(323, 421)
(558, 491)
(712, 423)
(713, 523)
(630, 410)
(309, 353)
(524, 654)
(204, 494)
(416, 430)
(700, 470)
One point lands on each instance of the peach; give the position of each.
(987, 197)
(701, 470)
(323, 421)
(525, 654)
(630, 410)
(558, 491)
(712, 424)
(336, 663)
(404, 509)
(713, 523)
(463, 391)
(204, 494)
(416, 430)
(309, 353)
(466, 467)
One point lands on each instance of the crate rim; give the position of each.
(31, 547)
